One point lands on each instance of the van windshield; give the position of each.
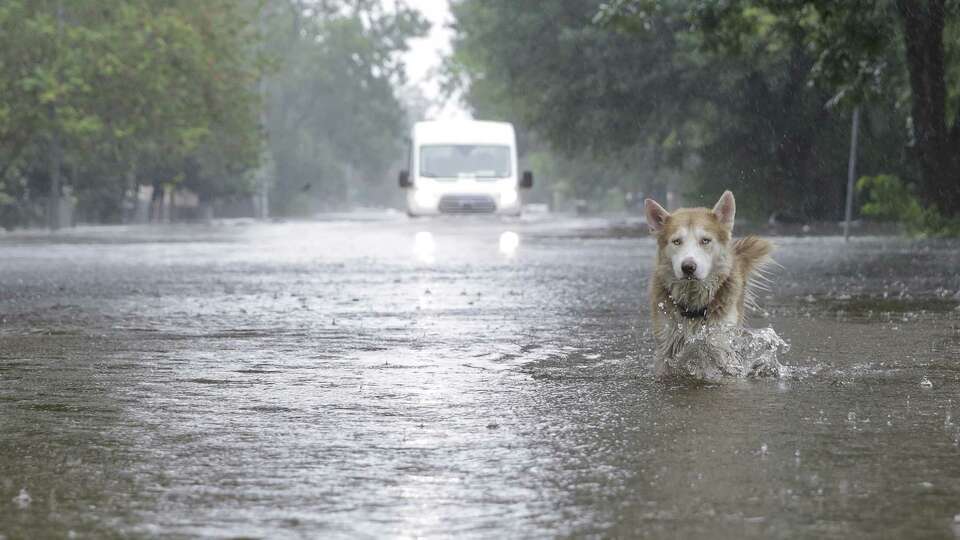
(472, 160)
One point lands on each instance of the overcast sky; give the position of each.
(427, 53)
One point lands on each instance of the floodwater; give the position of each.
(388, 377)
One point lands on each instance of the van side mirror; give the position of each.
(526, 181)
(405, 179)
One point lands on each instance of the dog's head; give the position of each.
(694, 241)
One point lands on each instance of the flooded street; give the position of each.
(388, 377)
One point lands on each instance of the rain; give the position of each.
(375, 269)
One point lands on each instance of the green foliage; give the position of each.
(890, 199)
(579, 86)
(171, 94)
(335, 125)
(134, 92)
(753, 96)
(595, 100)
(717, 93)
(898, 58)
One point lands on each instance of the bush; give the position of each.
(889, 199)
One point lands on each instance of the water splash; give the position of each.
(23, 500)
(759, 350)
(715, 352)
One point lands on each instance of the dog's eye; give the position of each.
(705, 241)
(677, 241)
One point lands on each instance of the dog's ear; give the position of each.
(725, 209)
(656, 214)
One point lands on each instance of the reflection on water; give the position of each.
(425, 247)
(509, 242)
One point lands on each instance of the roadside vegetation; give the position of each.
(290, 107)
(697, 97)
(224, 98)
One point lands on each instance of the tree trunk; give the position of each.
(53, 202)
(156, 203)
(935, 148)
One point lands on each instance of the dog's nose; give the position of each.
(689, 267)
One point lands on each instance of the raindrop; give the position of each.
(925, 383)
(23, 499)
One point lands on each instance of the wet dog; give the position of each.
(703, 282)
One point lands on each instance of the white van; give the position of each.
(463, 167)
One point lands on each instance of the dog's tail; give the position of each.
(753, 254)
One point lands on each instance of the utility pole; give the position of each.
(851, 172)
(56, 152)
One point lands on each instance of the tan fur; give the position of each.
(725, 293)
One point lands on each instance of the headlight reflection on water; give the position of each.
(424, 246)
(509, 242)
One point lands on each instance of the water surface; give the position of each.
(460, 378)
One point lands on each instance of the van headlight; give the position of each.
(424, 198)
(508, 197)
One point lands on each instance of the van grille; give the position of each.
(467, 204)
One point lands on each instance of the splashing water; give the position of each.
(23, 499)
(759, 350)
(715, 352)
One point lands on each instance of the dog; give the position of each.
(702, 284)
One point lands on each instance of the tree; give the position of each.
(936, 127)
(720, 95)
(333, 119)
(869, 53)
(131, 90)
(589, 101)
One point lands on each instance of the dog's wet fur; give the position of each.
(702, 285)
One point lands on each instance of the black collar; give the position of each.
(686, 312)
(693, 313)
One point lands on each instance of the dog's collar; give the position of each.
(693, 313)
(684, 311)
